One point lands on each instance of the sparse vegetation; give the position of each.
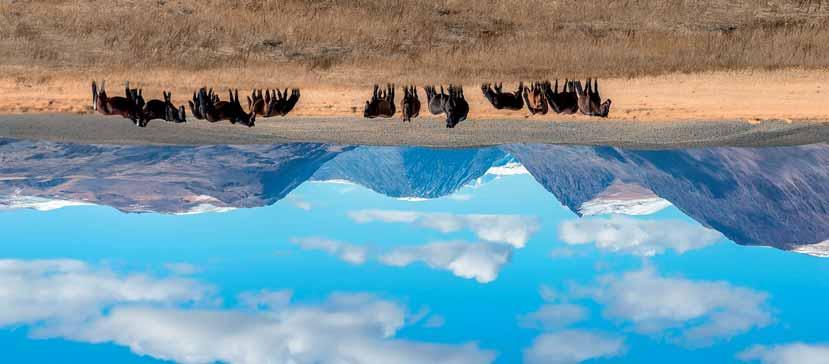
(365, 41)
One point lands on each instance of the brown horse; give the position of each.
(455, 107)
(564, 102)
(410, 104)
(381, 103)
(257, 104)
(279, 103)
(534, 97)
(590, 103)
(224, 110)
(435, 100)
(503, 100)
(194, 104)
(126, 106)
(165, 110)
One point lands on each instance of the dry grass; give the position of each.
(356, 42)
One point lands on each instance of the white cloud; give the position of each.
(547, 293)
(350, 253)
(346, 328)
(459, 197)
(301, 204)
(434, 321)
(265, 299)
(152, 316)
(639, 237)
(692, 313)
(794, 353)
(553, 316)
(182, 268)
(56, 290)
(481, 261)
(514, 230)
(573, 346)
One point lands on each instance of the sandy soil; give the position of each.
(749, 96)
(427, 131)
(721, 108)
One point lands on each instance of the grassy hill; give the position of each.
(347, 41)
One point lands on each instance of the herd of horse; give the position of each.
(205, 105)
(450, 102)
(539, 98)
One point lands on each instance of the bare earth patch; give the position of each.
(752, 96)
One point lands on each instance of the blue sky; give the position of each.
(497, 272)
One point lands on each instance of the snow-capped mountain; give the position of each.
(817, 250)
(16, 201)
(624, 199)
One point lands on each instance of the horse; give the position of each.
(503, 100)
(435, 100)
(456, 108)
(224, 110)
(534, 97)
(589, 101)
(126, 106)
(410, 104)
(564, 102)
(165, 110)
(194, 104)
(381, 103)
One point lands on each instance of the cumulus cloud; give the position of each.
(354, 328)
(350, 253)
(514, 230)
(59, 290)
(553, 316)
(640, 237)
(481, 261)
(573, 346)
(692, 313)
(794, 353)
(152, 316)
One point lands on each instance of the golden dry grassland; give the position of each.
(340, 47)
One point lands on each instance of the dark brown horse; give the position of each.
(410, 104)
(455, 107)
(257, 104)
(137, 95)
(126, 106)
(164, 110)
(590, 103)
(435, 100)
(381, 103)
(534, 97)
(503, 100)
(194, 104)
(272, 102)
(224, 110)
(564, 102)
(279, 103)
